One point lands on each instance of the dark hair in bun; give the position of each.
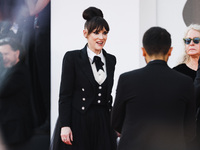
(91, 12)
(94, 20)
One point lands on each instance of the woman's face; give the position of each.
(193, 49)
(96, 40)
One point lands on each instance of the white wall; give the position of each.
(147, 18)
(128, 20)
(169, 16)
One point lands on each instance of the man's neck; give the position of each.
(151, 58)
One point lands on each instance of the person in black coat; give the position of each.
(39, 61)
(191, 41)
(197, 96)
(154, 107)
(85, 92)
(15, 109)
(189, 67)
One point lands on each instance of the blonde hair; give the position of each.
(196, 27)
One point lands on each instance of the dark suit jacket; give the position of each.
(78, 82)
(15, 108)
(154, 108)
(197, 87)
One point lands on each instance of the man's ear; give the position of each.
(144, 53)
(17, 53)
(85, 33)
(170, 51)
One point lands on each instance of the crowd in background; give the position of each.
(27, 23)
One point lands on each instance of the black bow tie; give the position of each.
(98, 63)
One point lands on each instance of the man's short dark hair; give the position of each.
(14, 44)
(156, 41)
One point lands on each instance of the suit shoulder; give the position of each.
(19, 67)
(112, 57)
(130, 75)
(182, 79)
(179, 67)
(70, 55)
(72, 52)
(181, 75)
(131, 72)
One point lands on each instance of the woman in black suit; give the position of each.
(85, 91)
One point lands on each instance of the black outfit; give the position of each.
(197, 88)
(154, 108)
(81, 107)
(15, 109)
(183, 68)
(39, 61)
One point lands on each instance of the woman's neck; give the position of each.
(192, 63)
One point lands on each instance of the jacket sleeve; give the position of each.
(197, 85)
(113, 59)
(66, 89)
(118, 111)
(190, 114)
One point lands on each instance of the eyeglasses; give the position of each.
(196, 40)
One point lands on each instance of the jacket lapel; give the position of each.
(110, 69)
(85, 65)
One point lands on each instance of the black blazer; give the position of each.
(78, 82)
(15, 109)
(154, 108)
(197, 89)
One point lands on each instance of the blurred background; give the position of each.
(28, 23)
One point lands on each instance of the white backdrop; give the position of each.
(128, 20)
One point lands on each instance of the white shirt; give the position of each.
(101, 75)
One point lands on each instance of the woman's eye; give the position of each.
(105, 32)
(96, 32)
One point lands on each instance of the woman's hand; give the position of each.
(66, 135)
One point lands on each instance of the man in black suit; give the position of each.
(15, 108)
(154, 107)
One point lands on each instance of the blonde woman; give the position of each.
(192, 51)
(189, 67)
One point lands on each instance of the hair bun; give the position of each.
(91, 12)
